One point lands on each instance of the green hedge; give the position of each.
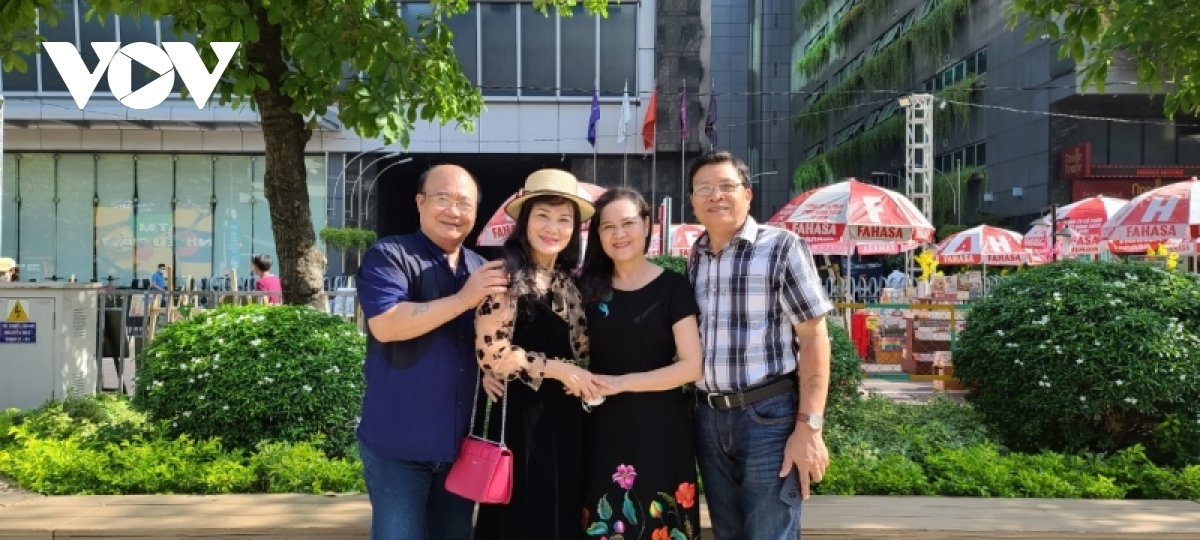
(102, 445)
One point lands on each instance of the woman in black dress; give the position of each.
(537, 333)
(639, 456)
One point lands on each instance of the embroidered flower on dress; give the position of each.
(686, 494)
(625, 476)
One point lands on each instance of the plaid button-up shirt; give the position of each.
(751, 293)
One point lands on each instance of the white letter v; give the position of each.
(80, 82)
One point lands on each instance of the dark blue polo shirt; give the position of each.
(418, 394)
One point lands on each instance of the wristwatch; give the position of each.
(812, 420)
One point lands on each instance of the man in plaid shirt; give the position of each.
(766, 360)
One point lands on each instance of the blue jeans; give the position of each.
(740, 453)
(409, 500)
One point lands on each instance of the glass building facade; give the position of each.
(109, 216)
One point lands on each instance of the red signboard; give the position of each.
(1121, 189)
(1076, 161)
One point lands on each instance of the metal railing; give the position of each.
(870, 289)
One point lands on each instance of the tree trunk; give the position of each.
(301, 263)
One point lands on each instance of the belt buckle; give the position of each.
(725, 397)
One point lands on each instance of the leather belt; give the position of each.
(724, 401)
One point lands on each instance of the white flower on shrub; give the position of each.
(183, 366)
(225, 408)
(1057, 297)
(201, 398)
(1000, 333)
(1130, 277)
(268, 380)
(1011, 345)
(1131, 401)
(1078, 360)
(1019, 362)
(191, 379)
(256, 343)
(1058, 349)
(187, 414)
(1082, 399)
(307, 388)
(1119, 382)
(278, 365)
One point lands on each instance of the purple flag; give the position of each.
(595, 116)
(710, 123)
(683, 121)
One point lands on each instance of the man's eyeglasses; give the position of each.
(707, 190)
(443, 202)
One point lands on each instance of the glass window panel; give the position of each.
(539, 48)
(15, 81)
(193, 217)
(91, 31)
(76, 185)
(499, 23)
(618, 40)
(982, 61)
(578, 53)
(1125, 143)
(114, 219)
(318, 189)
(64, 31)
(413, 12)
(981, 154)
(8, 208)
(971, 65)
(466, 40)
(154, 219)
(37, 232)
(235, 218)
(169, 35)
(263, 235)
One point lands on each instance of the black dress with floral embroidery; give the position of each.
(639, 452)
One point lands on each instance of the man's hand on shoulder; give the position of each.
(490, 278)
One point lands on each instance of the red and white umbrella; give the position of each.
(683, 237)
(1161, 215)
(500, 226)
(1086, 217)
(851, 216)
(986, 245)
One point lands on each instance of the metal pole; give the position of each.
(918, 149)
(340, 180)
(371, 188)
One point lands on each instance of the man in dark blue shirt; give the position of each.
(419, 293)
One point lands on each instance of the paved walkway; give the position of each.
(276, 517)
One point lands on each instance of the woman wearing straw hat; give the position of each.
(537, 333)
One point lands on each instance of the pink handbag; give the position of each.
(483, 471)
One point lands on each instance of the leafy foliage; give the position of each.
(672, 263)
(879, 447)
(1088, 357)
(845, 368)
(348, 239)
(1161, 39)
(102, 445)
(247, 374)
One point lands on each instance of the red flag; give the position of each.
(650, 119)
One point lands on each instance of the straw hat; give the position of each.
(7, 264)
(552, 182)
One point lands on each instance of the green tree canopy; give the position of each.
(1161, 37)
(301, 59)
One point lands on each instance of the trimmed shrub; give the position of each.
(1088, 357)
(845, 368)
(247, 374)
(671, 262)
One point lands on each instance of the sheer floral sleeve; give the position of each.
(495, 319)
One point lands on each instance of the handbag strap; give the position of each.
(487, 410)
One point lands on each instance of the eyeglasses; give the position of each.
(443, 202)
(707, 190)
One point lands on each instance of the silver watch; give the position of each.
(812, 420)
